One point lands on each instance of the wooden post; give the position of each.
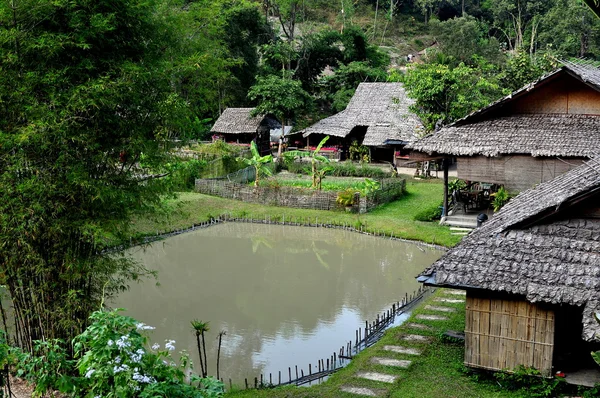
(445, 209)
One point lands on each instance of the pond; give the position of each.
(284, 295)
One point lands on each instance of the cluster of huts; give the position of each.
(532, 272)
(377, 117)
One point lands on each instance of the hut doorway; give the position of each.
(382, 154)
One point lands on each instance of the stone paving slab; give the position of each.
(416, 338)
(432, 317)
(367, 392)
(440, 308)
(399, 363)
(382, 377)
(449, 300)
(402, 350)
(419, 326)
(455, 292)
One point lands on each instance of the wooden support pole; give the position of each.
(445, 165)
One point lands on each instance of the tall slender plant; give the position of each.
(260, 163)
(200, 328)
(315, 160)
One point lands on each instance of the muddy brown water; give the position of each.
(284, 295)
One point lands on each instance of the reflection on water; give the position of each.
(285, 295)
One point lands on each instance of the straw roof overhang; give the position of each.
(482, 133)
(536, 247)
(382, 108)
(239, 121)
(533, 134)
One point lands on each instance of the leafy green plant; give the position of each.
(369, 186)
(260, 163)
(315, 158)
(429, 214)
(114, 362)
(359, 152)
(529, 381)
(48, 367)
(456, 185)
(500, 198)
(346, 197)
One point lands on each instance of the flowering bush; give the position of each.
(114, 362)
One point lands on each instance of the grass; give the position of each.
(395, 218)
(437, 372)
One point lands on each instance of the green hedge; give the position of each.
(341, 169)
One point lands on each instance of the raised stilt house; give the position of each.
(377, 116)
(236, 125)
(533, 135)
(532, 277)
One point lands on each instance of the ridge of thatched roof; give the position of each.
(532, 248)
(381, 107)
(239, 121)
(532, 134)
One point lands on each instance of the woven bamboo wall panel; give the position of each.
(516, 173)
(503, 334)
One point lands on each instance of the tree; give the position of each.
(88, 109)
(465, 37)
(517, 18)
(444, 94)
(280, 96)
(260, 163)
(570, 29)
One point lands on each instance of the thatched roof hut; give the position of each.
(552, 116)
(541, 252)
(382, 108)
(239, 121)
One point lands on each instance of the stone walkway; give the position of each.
(410, 346)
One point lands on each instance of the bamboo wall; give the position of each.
(501, 334)
(516, 173)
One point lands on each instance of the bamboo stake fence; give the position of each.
(365, 337)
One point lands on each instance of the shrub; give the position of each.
(430, 214)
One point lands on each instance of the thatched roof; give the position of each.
(239, 121)
(538, 246)
(484, 132)
(381, 107)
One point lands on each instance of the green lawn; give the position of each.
(437, 373)
(395, 218)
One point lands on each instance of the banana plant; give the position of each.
(315, 160)
(260, 163)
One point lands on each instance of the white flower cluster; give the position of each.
(141, 378)
(136, 357)
(123, 342)
(120, 368)
(170, 345)
(142, 326)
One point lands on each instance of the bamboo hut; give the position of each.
(377, 116)
(533, 135)
(532, 277)
(235, 125)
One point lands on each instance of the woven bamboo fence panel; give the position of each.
(503, 334)
(299, 198)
